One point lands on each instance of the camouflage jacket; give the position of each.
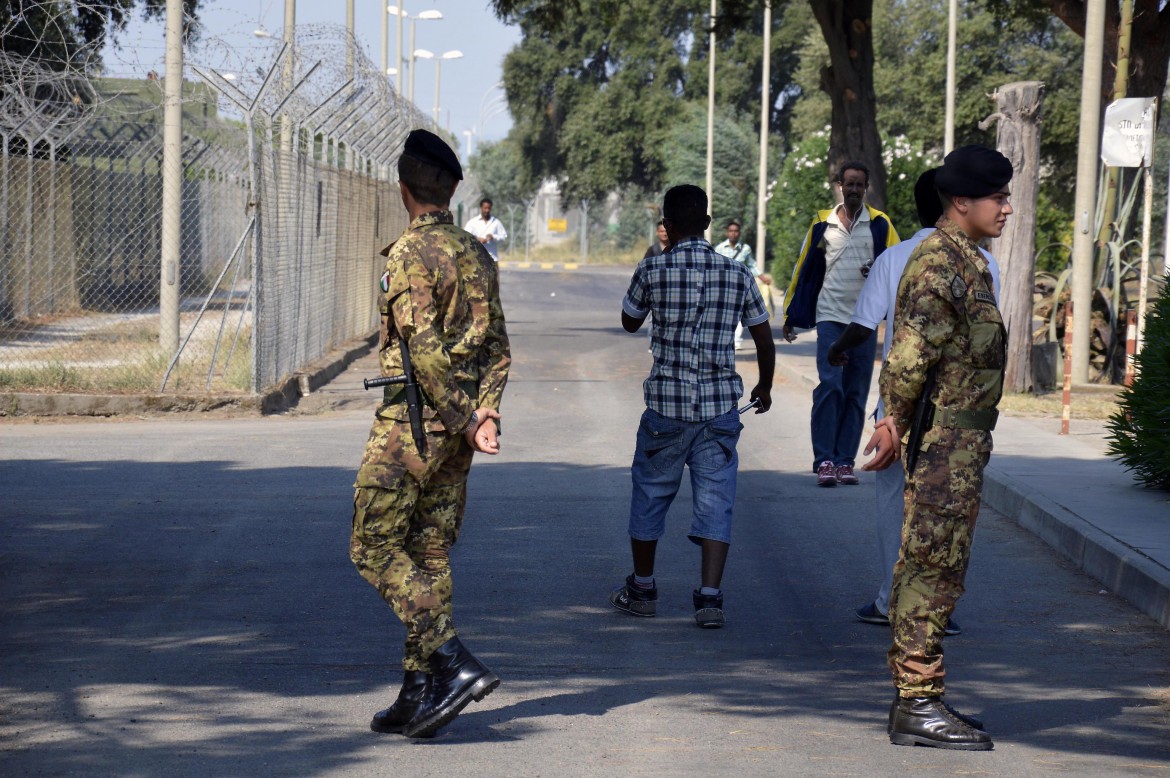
(441, 293)
(946, 315)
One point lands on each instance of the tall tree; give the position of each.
(65, 34)
(848, 79)
(501, 174)
(1149, 55)
(595, 91)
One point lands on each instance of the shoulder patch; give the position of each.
(385, 282)
(958, 287)
(985, 297)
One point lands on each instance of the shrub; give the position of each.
(1140, 430)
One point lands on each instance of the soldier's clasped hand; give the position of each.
(484, 437)
(886, 442)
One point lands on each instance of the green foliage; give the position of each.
(62, 35)
(595, 90)
(905, 160)
(736, 156)
(909, 80)
(498, 169)
(802, 189)
(1140, 430)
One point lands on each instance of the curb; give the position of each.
(540, 265)
(1124, 571)
(285, 396)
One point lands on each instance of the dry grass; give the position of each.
(1089, 403)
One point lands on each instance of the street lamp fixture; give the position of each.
(431, 15)
(438, 58)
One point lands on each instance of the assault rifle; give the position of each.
(413, 395)
(922, 420)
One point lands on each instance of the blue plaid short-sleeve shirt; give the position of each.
(697, 297)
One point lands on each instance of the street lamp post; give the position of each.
(425, 15)
(438, 58)
(397, 70)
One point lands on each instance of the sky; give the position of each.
(470, 97)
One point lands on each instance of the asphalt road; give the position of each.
(176, 599)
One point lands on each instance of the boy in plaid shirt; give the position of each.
(697, 298)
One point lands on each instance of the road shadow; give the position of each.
(139, 598)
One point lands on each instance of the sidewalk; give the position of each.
(1064, 489)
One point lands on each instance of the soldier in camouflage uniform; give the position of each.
(946, 321)
(441, 296)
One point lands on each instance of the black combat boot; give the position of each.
(970, 721)
(928, 721)
(394, 719)
(457, 678)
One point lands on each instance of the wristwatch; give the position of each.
(472, 423)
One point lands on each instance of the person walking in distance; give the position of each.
(732, 248)
(838, 250)
(487, 229)
(661, 242)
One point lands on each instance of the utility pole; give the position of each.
(1088, 146)
(765, 117)
(290, 39)
(172, 171)
(952, 35)
(1120, 88)
(349, 41)
(401, 64)
(711, 116)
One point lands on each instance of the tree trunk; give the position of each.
(847, 26)
(1018, 138)
(1149, 44)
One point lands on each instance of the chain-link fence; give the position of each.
(288, 194)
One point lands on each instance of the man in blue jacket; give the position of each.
(838, 251)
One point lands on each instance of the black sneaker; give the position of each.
(708, 609)
(635, 600)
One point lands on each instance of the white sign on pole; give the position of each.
(1128, 138)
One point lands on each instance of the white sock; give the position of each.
(707, 591)
(644, 582)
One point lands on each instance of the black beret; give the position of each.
(428, 147)
(973, 171)
(926, 198)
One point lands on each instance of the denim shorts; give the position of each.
(707, 448)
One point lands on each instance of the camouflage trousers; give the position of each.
(942, 503)
(403, 530)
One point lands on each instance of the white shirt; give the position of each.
(491, 227)
(846, 251)
(880, 291)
